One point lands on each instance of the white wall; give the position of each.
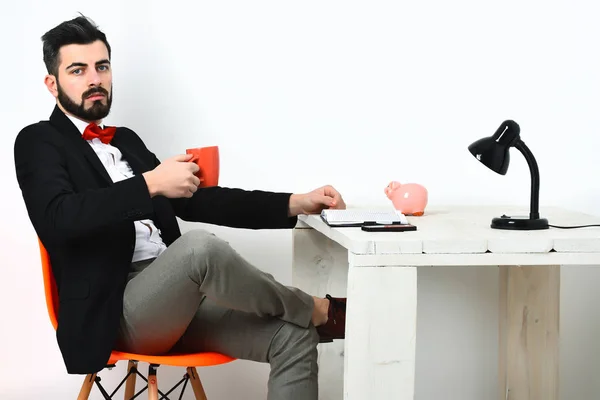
(300, 94)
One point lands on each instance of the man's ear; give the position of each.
(51, 84)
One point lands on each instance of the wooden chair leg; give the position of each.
(152, 383)
(130, 383)
(86, 388)
(196, 384)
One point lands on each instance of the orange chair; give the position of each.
(191, 361)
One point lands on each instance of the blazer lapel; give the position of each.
(64, 125)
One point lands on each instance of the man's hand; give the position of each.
(316, 201)
(173, 178)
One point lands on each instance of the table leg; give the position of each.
(377, 359)
(381, 329)
(529, 333)
(320, 266)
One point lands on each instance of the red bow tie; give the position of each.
(93, 131)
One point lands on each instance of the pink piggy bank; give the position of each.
(408, 198)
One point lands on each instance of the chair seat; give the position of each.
(175, 360)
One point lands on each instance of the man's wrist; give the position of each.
(294, 205)
(152, 189)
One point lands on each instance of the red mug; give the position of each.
(207, 159)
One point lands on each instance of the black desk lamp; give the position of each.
(493, 152)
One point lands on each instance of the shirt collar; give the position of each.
(80, 124)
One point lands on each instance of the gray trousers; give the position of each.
(201, 295)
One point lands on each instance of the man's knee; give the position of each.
(202, 242)
(203, 248)
(196, 236)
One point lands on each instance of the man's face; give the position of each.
(83, 86)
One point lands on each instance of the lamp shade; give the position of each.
(493, 151)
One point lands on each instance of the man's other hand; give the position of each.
(316, 201)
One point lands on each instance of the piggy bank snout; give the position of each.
(391, 189)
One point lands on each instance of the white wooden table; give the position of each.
(378, 274)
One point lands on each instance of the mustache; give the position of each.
(94, 91)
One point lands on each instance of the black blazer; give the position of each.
(86, 223)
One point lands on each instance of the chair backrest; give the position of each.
(50, 289)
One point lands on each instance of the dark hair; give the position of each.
(80, 30)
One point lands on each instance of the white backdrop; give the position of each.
(351, 93)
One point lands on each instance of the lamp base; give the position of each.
(519, 223)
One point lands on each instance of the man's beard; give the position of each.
(96, 112)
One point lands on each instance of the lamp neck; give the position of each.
(535, 178)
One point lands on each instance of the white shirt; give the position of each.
(148, 243)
